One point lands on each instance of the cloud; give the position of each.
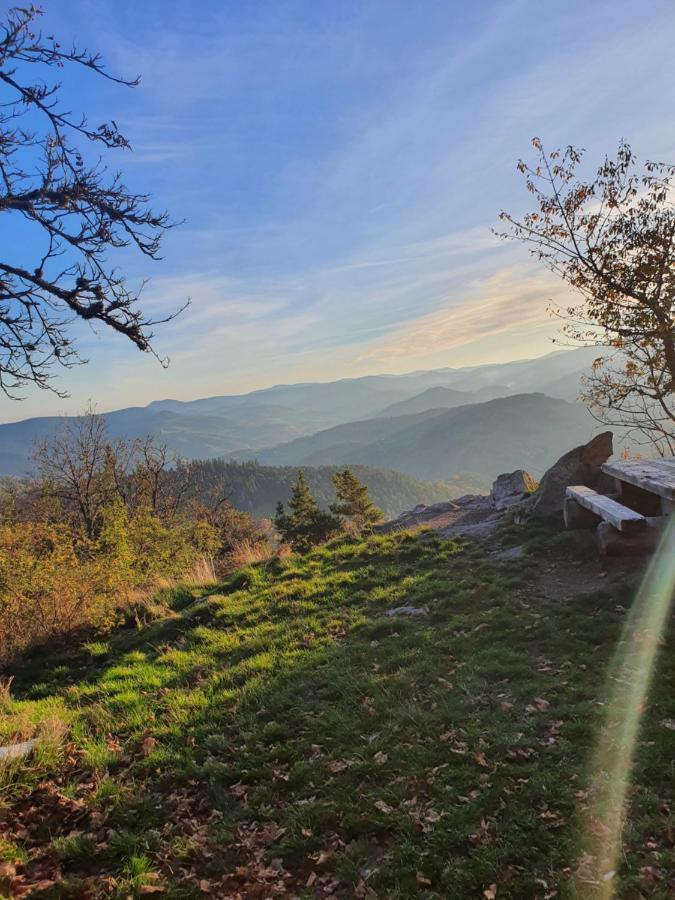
(509, 299)
(339, 170)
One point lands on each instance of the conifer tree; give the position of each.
(305, 525)
(354, 503)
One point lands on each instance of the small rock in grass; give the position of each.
(509, 553)
(407, 611)
(16, 751)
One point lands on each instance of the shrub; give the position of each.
(53, 581)
(49, 584)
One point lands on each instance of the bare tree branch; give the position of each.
(76, 213)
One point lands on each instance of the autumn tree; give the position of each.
(353, 502)
(71, 213)
(305, 525)
(611, 237)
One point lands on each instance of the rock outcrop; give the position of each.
(582, 465)
(473, 515)
(512, 487)
(478, 515)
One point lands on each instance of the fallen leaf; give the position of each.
(383, 807)
(422, 879)
(380, 758)
(148, 745)
(491, 892)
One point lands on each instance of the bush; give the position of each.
(49, 584)
(53, 581)
(141, 548)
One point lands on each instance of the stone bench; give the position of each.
(619, 530)
(580, 501)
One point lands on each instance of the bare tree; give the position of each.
(81, 468)
(77, 466)
(612, 239)
(76, 213)
(158, 479)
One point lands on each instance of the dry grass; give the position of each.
(203, 572)
(246, 553)
(5, 691)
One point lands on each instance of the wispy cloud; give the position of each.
(510, 299)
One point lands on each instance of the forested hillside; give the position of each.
(257, 488)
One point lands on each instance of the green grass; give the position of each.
(284, 734)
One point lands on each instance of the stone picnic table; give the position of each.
(647, 485)
(631, 519)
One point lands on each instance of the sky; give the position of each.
(337, 168)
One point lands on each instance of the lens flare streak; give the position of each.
(630, 676)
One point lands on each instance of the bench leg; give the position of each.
(612, 542)
(639, 499)
(576, 516)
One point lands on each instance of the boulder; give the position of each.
(579, 466)
(511, 487)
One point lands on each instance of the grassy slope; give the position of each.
(287, 735)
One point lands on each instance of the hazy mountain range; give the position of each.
(431, 424)
(524, 431)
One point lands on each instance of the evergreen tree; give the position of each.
(306, 525)
(354, 503)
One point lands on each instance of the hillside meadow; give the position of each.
(277, 734)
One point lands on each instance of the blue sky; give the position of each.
(339, 166)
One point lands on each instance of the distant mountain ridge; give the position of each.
(247, 423)
(432, 398)
(522, 431)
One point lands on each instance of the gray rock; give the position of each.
(16, 751)
(407, 611)
(472, 515)
(419, 515)
(582, 465)
(511, 487)
(509, 553)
